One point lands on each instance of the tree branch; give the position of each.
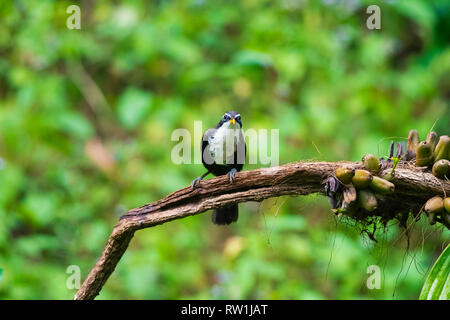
(413, 187)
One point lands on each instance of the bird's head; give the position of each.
(231, 119)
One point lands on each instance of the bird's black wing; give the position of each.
(207, 160)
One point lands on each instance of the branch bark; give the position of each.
(413, 187)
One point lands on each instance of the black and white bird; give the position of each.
(223, 152)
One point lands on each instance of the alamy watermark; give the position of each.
(374, 280)
(374, 20)
(74, 279)
(259, 148)
(74, 20)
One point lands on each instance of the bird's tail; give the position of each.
(225, 215)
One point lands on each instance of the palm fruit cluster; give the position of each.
(432, 153)
(366, 191)
(362, 187)
(438, 209)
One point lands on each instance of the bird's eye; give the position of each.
(238, 118)
(225, 117)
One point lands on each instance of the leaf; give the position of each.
(437, 283)
(74, 124)
(419, 11)
(253, 58)
(40, 208)
(134, 105)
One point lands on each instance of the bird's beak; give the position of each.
(233, 121)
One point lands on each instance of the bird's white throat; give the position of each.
(223, 143)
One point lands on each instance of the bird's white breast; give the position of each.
(223, 143)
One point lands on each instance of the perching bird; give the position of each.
(223, 152)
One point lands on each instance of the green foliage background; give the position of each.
(86, 118)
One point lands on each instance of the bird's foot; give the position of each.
(195, 181)
(231, 174)
(199, 178)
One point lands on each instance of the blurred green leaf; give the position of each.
(253, 58)
(134, 105)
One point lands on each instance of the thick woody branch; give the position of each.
(412, 186)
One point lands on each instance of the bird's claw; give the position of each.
(195, 181)
(231, 174)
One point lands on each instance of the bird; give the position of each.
(223, 152)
